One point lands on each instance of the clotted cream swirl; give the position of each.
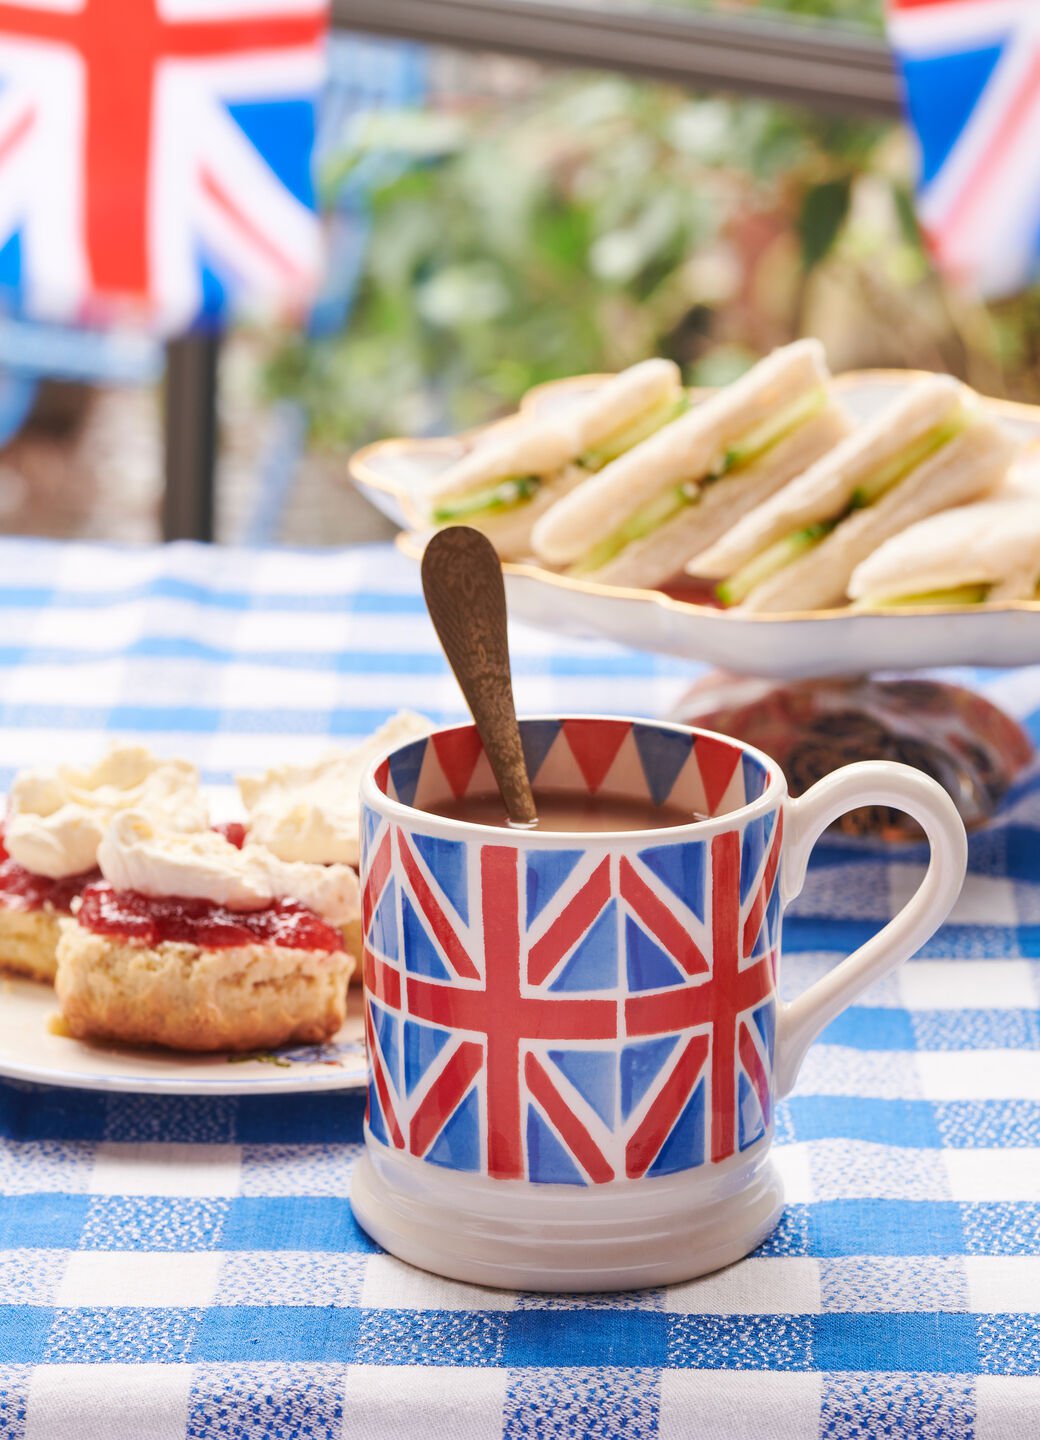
(310, 812)
(135, 854)
(55, 819)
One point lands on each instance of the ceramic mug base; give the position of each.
(630, 1235)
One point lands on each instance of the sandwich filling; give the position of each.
(512, 491)
(952, 595)
(635, 432)
(781, 553)
(968, 594)
(506, 494)
(737, 456)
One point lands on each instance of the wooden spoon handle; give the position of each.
(466, 598)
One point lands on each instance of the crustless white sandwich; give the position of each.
(932, 449)
(646, 513)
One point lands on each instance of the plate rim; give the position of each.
(174, 1085)
(410, 542)
(39, 998)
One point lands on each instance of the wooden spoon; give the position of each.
(466, 598)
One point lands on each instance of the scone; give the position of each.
(195, 943)
(311, 812)
(29, 942)
(31, 909)
(237, 834)
(192, 975)
(54, 823)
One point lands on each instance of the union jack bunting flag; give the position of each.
(565, 1016)
(972, 76)
(155, 157)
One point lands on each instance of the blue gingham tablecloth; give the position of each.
(177, 1266)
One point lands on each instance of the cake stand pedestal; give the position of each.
(811, 727)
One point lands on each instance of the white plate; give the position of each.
(828, 642)
(31, 1050)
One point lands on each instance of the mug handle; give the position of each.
(875, 782)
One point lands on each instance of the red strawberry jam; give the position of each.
(151, 919)
(21, 889)
(233, 831)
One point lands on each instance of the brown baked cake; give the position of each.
(53, 824)
(191, 974)
(31, 909)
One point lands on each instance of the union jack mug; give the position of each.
(575, 1042)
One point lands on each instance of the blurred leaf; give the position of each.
(462, 295)
(824, 209)
(722, 366)
(562, 235)
(414, 133)
(904, 204)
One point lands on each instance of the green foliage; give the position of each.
(586, 226)
(864, 14)
(823, 213)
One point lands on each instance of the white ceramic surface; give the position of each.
(771, 646)
(467, 1222)
(627, 1236)
(30, 1050)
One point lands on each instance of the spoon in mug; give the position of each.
(466, 597)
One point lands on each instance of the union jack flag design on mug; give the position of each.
(576, 1012)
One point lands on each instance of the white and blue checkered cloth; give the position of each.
(177, 1266)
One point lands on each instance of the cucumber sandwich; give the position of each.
(678, 490)
(989, 551)
(933, 448)
(518, 471)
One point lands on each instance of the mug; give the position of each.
(575, 1041)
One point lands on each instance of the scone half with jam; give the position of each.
(310, 811)
(53, 826)
(192, 943)
(31, 910)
